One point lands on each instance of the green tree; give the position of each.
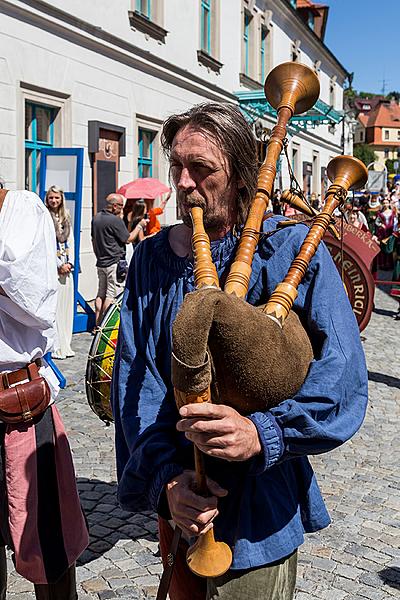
(395, 95)
(389, 162)
(365, 153)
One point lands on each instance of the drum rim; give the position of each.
(90, 369)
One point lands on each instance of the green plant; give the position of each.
(365, 153)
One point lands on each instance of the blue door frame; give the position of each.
(83, 321)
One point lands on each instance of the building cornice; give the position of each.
(309, 136)
(60, 23)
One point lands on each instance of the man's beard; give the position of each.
(210, 222)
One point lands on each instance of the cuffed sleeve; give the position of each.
(271, 442)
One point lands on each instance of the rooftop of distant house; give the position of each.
(315, 15)
(366, 105)
(385, 114)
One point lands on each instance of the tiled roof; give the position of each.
(386, 114)
(360, 103)
(363, 119)
(309, 4)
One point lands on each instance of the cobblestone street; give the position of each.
(356, 558)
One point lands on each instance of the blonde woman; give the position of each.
(55, 202)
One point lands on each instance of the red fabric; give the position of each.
(21, 482)
(154, 224)
(22, 493)
(184, 584)
(76, 537)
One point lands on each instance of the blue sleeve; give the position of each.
(147, 444)
(330, 406)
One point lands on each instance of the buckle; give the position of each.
(6, 382)
(27, 416)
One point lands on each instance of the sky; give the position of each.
(364, 35)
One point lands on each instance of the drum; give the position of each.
(100, 363)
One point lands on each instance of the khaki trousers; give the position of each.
(271, 582)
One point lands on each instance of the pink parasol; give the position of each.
(147, 188)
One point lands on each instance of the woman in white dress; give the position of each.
(55, 202)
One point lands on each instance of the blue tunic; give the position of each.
(273, 498)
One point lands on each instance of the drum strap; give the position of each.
(169, 567)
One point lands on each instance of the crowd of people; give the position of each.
(377, 213)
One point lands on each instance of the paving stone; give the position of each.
(119, 583)
(107, 595)
(95, 585)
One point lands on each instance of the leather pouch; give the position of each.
(24, 401)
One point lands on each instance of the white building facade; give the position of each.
(104, 75)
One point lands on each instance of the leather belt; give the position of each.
(29, 372)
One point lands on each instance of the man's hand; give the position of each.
(194, 514)
(220, 431)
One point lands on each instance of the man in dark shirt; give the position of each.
(109, 239)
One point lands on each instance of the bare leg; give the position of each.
(107, 302)
(98, 306)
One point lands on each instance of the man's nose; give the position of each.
(186, 181)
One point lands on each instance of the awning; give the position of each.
(254, 106)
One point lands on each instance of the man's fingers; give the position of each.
(209, 440)
(204, 425)
(215, 489)
(191, 529)
(193, 516)
(206, 409)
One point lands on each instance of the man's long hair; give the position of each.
(225, 125)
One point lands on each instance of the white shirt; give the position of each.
(28, 276)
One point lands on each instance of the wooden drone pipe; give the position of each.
(346, 172)
(297, 202)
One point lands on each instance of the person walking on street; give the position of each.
(41, 519)
(109, 238)
(263, 493)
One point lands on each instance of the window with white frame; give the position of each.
(147, 152)
(147, 16)
(263, 53)
(295, 51)
(246, 42)
(39, 134)
(208, 52)
(332, 91)
(386, 134)
(205, 25)
(315, 171)
(296, 160)
(143, 7)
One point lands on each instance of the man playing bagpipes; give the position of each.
(262, 492)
